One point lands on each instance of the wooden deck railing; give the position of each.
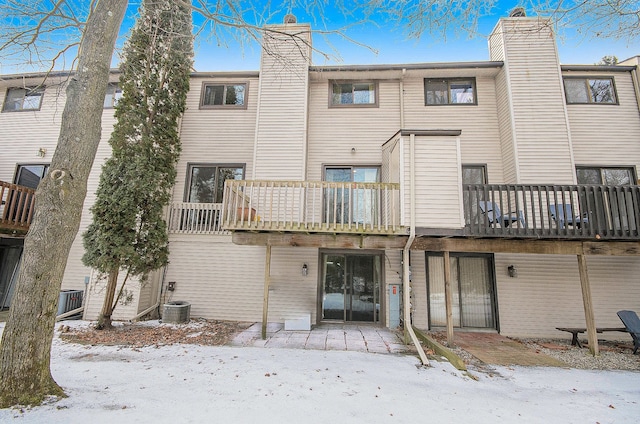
(195, 218)
(16, 207)
(312, 206)
(553, 211)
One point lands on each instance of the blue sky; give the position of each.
(390, 42)
(393, 45)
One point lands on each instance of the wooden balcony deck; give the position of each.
(575, 212)
(312, 207)
(16, 208)
(508, 211)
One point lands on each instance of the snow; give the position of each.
(194, 384)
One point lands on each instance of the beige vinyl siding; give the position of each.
(291, 294)
(506, 132)
(480, 138)
(438, 182)
(535, 86)
(419, 296)
(216, 135)
(604, 134)
(126, 309)
(334, 132)
(221, 280)
(23, 133)
(280, 138)
(547, 293)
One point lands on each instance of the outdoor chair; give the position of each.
(563, 215)
(632, 323)
(493, 214)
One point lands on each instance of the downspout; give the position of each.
(408, 326)
(404, 71)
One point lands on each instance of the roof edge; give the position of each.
(408, 66)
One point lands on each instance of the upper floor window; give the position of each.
(590, 90)
(114, 93)
(354, 93)
(474, 174)
(205, 183)
(28, 98)
(216, 95)
(453, 91)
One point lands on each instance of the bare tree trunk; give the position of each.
(25, 351)
(104, 320)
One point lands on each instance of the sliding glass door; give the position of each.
(472, 289)
(351, 287)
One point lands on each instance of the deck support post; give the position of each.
(267, 282)
(592, 335)
(448, 297)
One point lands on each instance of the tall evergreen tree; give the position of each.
(128, 232)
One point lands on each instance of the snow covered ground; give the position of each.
(201, 384)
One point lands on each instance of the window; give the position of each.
(605, 175)
(17, 99)
(590, 90)
(223, 95)
(344, 205)
(205, 182)
(30, 175)
(114, 93)
(474, 174)
(457, 91)
(359, 93)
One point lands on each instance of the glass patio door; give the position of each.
(472, 289)
(351, 205)
(351, 287)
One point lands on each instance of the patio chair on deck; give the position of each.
(493, 214)
(563, 215)
(632, 323)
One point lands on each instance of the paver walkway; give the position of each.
(361, 338)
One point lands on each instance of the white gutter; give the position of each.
(406, 252)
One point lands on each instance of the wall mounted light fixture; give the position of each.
(512, 271)
(41, 152)
(305, 270)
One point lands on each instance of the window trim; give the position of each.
(190, 165)
(586, 78)
(376, 95)
(205, 84)
(39, 88)
(474, 85)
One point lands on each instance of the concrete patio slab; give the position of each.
(361, 338)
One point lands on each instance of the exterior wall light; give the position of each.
(305, 270)
(41, 152)
(512, 271)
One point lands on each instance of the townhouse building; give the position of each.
(498, 195)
